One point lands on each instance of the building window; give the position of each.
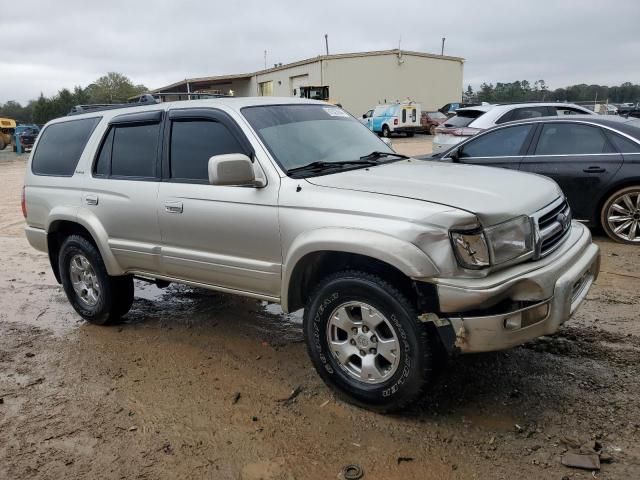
(266, 89)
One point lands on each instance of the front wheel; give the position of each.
(97, 297)
(620, 215)
(366, 342)
(385, 131)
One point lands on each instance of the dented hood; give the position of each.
(494, 195)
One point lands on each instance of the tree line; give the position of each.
(110, 88)
(525, 91)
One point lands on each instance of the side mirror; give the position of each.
(233, 169)
(364, 115)
(456, 154)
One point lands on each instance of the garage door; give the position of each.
(296, 82)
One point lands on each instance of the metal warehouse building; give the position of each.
(358, 81)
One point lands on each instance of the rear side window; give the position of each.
(623, 144)
(463, 118)
(525, 113)
(129, 150)
(499, 143)
(571, 139)
(193, 142)
(61, 145)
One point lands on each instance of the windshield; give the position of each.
(298, 135)
(463, 118)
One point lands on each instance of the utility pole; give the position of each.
(265, 59)
(326, 43)
(442, 49)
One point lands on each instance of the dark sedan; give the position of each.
(595, 160)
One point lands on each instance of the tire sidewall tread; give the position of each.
(412, 376)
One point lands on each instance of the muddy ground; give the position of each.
(193, 385)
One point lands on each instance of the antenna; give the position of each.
(326, 43)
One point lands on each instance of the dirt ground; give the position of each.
(194, 384)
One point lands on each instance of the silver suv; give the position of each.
(394, 260)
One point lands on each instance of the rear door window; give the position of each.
(505, 142)
(571, 139)
(61, 145)
(526, 113)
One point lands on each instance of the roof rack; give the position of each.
(139, 100)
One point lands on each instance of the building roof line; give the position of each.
(307, 61)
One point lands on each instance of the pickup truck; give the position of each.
(395, 261)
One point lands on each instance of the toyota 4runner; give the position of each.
(394, 260)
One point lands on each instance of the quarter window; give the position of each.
(499, 143)
(193, 142)
(623, 144)
(571, 139)
(61, 145)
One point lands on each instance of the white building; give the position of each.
(357, 81)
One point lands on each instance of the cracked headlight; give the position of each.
(494, 245)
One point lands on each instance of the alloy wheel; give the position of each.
(363, 342)
(84, 280)
(623, 216)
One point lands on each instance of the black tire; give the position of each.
(115, 293)
(385, 131)
(624, 236)
(2, 144)
(432, 130)
(413, 374)
(409, 134)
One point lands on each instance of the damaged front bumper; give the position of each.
(520, 303)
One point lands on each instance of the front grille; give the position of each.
(554, 224)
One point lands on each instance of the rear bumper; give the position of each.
(548, 296)
(416, 129)
(37, 238)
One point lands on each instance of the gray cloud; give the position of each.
(61, 44)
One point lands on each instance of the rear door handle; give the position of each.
(91, 199)
(594, 170)
(173, 207)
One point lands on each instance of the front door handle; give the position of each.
(173, 207)
(594, 169)
(91, 199)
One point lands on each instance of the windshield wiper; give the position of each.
(322, 165)
(376, 154)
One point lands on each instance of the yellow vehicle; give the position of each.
(7, 129)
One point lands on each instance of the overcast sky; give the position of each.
(48, 45)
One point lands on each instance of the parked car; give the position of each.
(594, 159)
(7, 129)
(451, 108)
(394, 260)
(394, 118)
(469, 121)
(26, 135)
(431, 120)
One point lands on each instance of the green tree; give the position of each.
(113, 88)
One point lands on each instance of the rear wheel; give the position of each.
(385, 131)
(620, 216)
(97, 297)
(432, 130)
(366, 342)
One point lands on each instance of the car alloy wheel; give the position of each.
(623, 216)
(84, 280)
(363, 342)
